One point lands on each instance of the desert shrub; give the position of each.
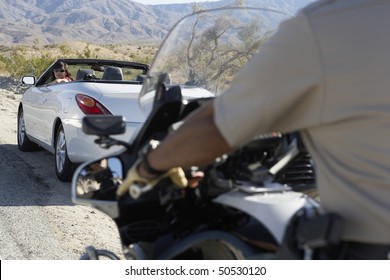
(19, 60)
(18, 64)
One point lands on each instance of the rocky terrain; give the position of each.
(10, 86)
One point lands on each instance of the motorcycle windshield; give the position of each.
(205, 50)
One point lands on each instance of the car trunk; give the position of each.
(123, 100)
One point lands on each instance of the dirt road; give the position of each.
(38, 220)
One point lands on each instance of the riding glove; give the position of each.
(133, 178)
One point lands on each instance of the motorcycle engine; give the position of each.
(255, 162)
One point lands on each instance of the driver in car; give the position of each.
(61, 73)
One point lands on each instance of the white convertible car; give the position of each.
(50, 115)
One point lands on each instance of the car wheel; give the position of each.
(64, 167)
(24, 144)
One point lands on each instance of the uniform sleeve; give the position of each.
(280, 89)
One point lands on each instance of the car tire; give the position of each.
(24, 144)
(63, 166)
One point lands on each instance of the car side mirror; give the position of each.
(94, 184)
(27, 80)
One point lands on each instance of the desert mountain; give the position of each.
(102, 21)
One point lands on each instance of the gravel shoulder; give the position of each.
(38, 220)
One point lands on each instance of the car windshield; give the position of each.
(206, 49)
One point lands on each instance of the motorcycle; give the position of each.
(246, 200)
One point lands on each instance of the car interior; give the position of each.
(112, 73)
(99, 72)
(82, 74)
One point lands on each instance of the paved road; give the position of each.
(37, 217)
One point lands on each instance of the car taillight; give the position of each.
(90, 106)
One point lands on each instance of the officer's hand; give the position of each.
(134, 182)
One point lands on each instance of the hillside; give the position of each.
(53, 21)
(34, 33)
(102, 21)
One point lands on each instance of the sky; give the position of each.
(152, 2)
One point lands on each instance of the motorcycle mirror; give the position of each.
(161, 89)
(94, 184)
(103, 125)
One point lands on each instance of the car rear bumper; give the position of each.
(82, 147)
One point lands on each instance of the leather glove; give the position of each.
(136, 184)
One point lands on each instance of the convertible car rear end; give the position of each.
(50, 115)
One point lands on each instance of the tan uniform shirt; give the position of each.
(326, 72)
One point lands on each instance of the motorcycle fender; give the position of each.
(273, 209)
(237, 248)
